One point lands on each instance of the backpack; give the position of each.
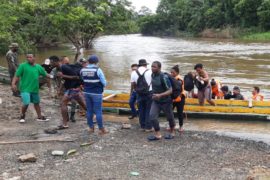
(188, 82)
(176, 86)
(199, 85)
(142, 87)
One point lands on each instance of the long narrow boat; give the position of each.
(224, 109)
(4, 75)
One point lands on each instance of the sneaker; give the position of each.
(43, 119)
(22, 119)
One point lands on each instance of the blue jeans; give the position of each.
(144, 110)
(94, 106)
(132, 103)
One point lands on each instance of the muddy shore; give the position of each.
(193, 155)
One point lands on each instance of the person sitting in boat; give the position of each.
(133, 96)
(236, 94)
(256, 96)
(202, 83)
(216, 89)
(225, 93)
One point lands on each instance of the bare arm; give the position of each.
(132, 87)
(14, 83)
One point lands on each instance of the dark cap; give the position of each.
(82, 60)
(236, 88)
(213, 82)
(93, 59)
(224, 88)
(142, 62)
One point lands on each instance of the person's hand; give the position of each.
(59, 74)
(156, 96)
(14, 88)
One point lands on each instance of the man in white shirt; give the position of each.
(141, 82)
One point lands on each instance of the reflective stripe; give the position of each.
(92, 81)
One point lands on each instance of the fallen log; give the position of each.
(36, 141)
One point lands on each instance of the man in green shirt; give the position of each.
(28, 73)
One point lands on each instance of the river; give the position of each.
(233, 62)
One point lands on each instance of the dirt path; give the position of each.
(193, 155)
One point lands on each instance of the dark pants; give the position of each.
(180, 108)
(144, 109)
(167, 108)
(132, 103)
(11, 76)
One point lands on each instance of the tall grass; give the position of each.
(263, 36)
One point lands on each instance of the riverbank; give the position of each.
(195, 154)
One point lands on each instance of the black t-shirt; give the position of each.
(48, 68)
(70, 70)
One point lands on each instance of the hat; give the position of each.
(47, 61)
(213, 82)
(142, 62)
(236, 88)
(224, 88)
(14, 45)
(82, 60)
(93, 59)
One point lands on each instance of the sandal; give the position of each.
(153, 138)
(169, 136)
(61, 127)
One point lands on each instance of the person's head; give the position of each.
(134, 67)
(213, 82)
(198, 68)
(30, 58)
(83, 62)
(142, 62)
(64, 60)
(224, 89)
(156, 67)
(175, 71)
(256, 90)
(14, 47)
(236, 90)
(93, 59)
(192, 75)
(55, 61)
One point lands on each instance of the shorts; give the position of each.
(205, 93)
(73, 94)
(28, 98)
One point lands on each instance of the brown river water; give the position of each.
(233, 62)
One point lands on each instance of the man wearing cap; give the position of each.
(13, 63)
(144, 98)
(236, 94)
(94, 82)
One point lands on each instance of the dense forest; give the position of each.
(194, 16)
(35, 23)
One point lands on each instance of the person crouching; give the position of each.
(94, 82)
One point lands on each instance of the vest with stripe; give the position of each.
(92, 83)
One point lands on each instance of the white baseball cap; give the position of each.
(47, 61)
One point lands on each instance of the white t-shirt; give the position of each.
(147, 76)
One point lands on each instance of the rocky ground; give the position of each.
(122, 154)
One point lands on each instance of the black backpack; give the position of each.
(188, 82)
(142, 87)
(199, 85)
(176, 85)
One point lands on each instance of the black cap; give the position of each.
(224, 88)
(236, 88)
(142, 62)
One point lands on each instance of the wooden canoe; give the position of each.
(4, 75)
(224, 109)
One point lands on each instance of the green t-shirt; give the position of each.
(29, 77)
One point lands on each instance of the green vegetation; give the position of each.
(194, 16)
(35, 23)
(265, 36)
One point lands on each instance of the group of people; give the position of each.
(84, 82)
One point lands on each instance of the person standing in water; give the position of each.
(179, 102)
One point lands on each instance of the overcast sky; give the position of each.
(152, 4)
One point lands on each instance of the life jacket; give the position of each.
(91, 81)
(216, 89)
(182, 93)
(257, 97)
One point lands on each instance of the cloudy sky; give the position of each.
(152, 4)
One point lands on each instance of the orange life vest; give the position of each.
(257, 97)
(178, 99)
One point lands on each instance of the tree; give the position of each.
(79, 25)
(264, 14)
(145, 11)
